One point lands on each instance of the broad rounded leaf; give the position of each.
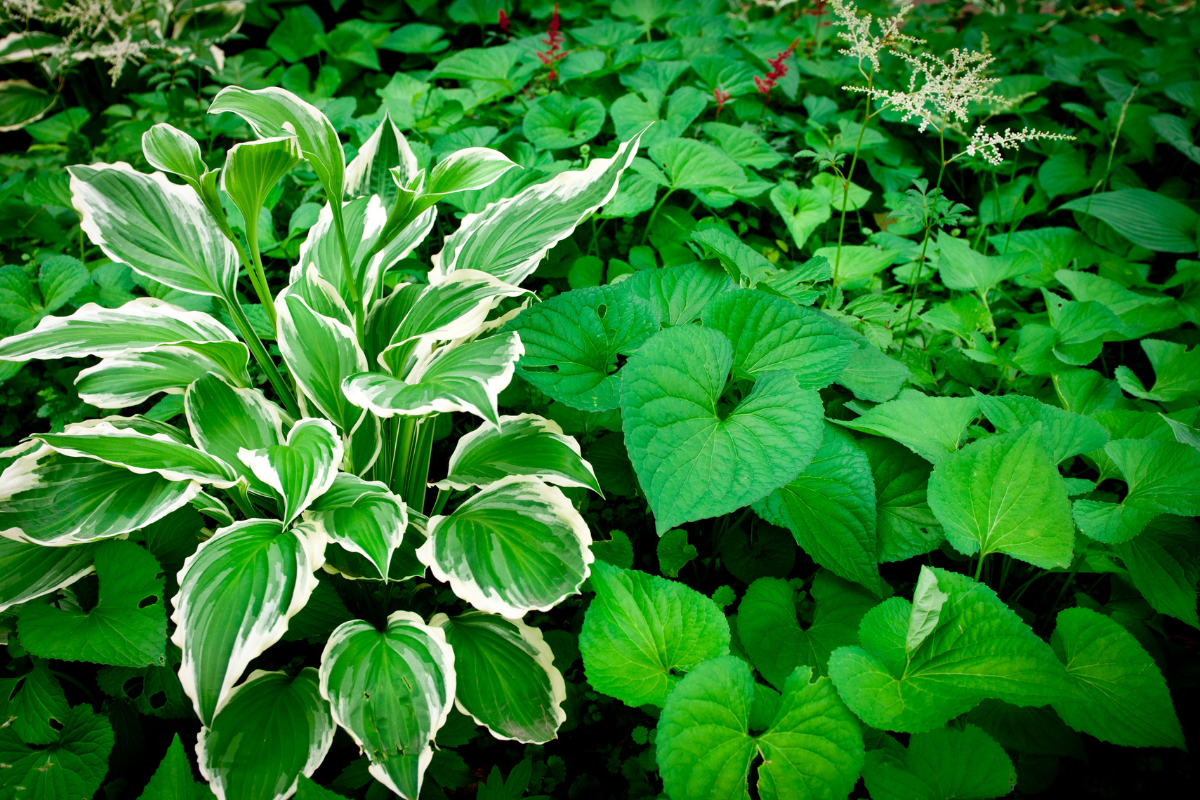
(559, 121)
(523, 445)
(1153, 221)
(301, 469)
(70, 769)
(364, 518)
(943, 764)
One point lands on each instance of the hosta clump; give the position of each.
(251, 495)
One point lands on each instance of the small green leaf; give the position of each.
(301, 469)
(690, 164)
(253, 168)
(1176, 372)
(1163, 478)
(674, 552)
(963, 268)
(640, 628)
(932, 427)
(364, 518)
(678, 294)
(171, 150)
(172, 780)
(70, 769)
(927, 604)
(127, 627)
(34, 705)
(904, 523)
(559, 121)
(803, 210)
(1064, 434)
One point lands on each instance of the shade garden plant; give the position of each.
(640, 400)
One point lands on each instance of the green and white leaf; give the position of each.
(369, 173)
(525, 444)
(33, 570)
(133, 377)
(320, 352)
(225, 420)
(363, 517)
(301, 469)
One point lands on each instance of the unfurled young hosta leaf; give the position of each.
(160, 229)
(516, 546)
(771, 634)
(171, 150)
(392, 691)
(1117, 693)
(978, 649)
(812, 749)
(641, 629)
(251, 171)
(507, 680)
(1163, 478)
(509, 238)
(468, 378)
(273, 729)
(32, 570)
(363, 517)
(301, 469)
(384, 150)
(1003, 494)
(126, 628)
(830, 510)
(683, 446)
(522, 445)
(225, 420)
(940, 765)
(253, 573)
(572, 342)
(932, 427)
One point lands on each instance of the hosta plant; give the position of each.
(258, 492)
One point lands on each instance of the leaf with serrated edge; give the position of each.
(942, 764)
(517, 546)
(70, 769)
(932, 427)
(525, 444)
(391, 690)
(507, 679)
(1164, 564)
(172, 780)
(679, 294)
(254, 574)
(641, 628)
(1163, 478)
(1064, 433)
(301, 469)
(273, 729)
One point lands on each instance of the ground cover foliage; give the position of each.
(683, 399)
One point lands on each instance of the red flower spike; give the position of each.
(554, 39)
(778, 69)
(722, 98)
(504, 21)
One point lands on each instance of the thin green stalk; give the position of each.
(418, 465)
(653, 214)
(262, 357)
(979, 566)
(243, 503)
(912, 297)
(258, 276)
(405, 434)
(335, 206)
(837, 259)
(440, 503)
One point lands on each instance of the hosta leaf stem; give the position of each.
(264, 360)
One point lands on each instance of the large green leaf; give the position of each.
(572, 342)
(932, 427)
(559, 121)
(127, 626)
(830, 510)
(509, 237)
(692, 164)
(1163, 478)
(640, 629)
(142, 453)
(516, 546)
(979, 649)
(274, 112)
(770, 333)
(160, 229)
(364, 518)
(236, 595)
(679, 294)
(904, 523)
(943, 764)
(813, 749)
(1064, 433)
(32, 570)
(803, 210)
(1153, 221)
(70, 769)
(130, 378)
(1003, 494)
(507, 680)
(1164, 564)
(1176, 372)
(467, 378)
(391, 690)
(1117, 693)
(771, 635)
(523, 445)
(48, 498)
(301, 469)
(225, 419)
(34, 705)
(273, 729)
(694, 459)
(320, 351)
(172, 780)
(963, 268)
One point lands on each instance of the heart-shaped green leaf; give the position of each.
(302, 469)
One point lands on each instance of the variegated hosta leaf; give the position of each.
(171, 150)
(303, 468)
(273, 729)
(138, 326)
(363, 517)
(130, 378)
(453, 309)
(31, 570)
(236, 595)
(507, 680)
(394, 251)
(516, 546)
(391, 691)
(364, 218)
(225, 420)
(160, 229)
(508, 238)
(385, 149)
(465, 378)
(523, 445)
(466, 170)
(253, 168)
(142, 453)
(49, 498)
(320, 352)
(274, 112)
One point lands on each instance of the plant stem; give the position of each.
(654, 214)
(929, 220)
(979, 566)
(440, 503)
(258, 276)
(837, 259)
(242, 502)
(418, 465)
(335, 205)
(260, 355)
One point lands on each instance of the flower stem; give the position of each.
(929, 220)
(837, 259)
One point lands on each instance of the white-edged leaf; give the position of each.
(516, 546)
(320, 352)
(364, 219)
(225, 419)
(130, 378)
(363, 517)
(384, 150)
(236, 595)
(302, 468)
(33, 570)
(392, 691)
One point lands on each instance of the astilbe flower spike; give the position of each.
(504, 22)
(554, 39)
(778, 69)
(722, 98)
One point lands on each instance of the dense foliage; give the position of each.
(679, 398)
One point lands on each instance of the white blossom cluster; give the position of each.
(941, 90)
(863, 43)
(991, 145)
